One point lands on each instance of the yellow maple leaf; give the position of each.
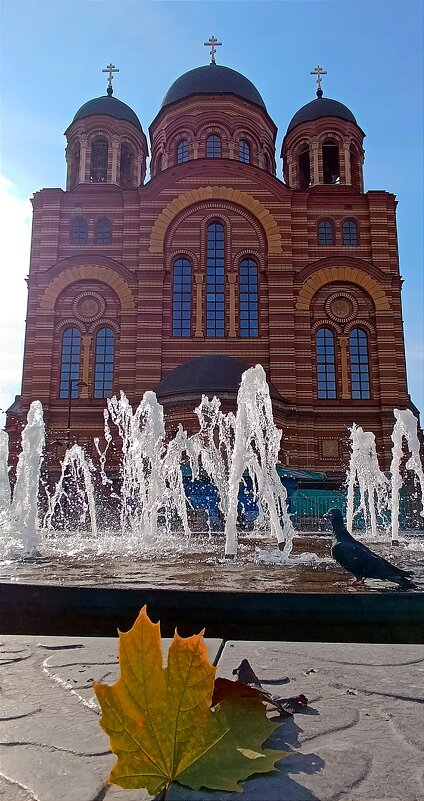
(161, 725)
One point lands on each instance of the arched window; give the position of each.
(325, 233)
(103, 367)
(182, 151)
(103, 232)
(98, 165)
(326, 363)
(249, 311)
(215, 285)
(181, 299)
(126, 166)
(330, 162)
(304, 168)
(78, 231)
(349, 232)
(244, 151)
(359, 363)
(74, 167)
(213, 147)
(70, 363)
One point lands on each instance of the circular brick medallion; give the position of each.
(341, 306)
(89, 306)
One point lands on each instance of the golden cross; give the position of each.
(110, 69)
(211, 43)
(318, 71)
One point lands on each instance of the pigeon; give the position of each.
(359, 560)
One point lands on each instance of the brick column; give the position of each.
(315, 164)
(114, 172)
(83, 159)
(86, 344)
(232, 286)
(290, 167)
(198, 278)
(346, 151)
(343, 340)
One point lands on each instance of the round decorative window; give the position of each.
(89, 306)
(341, 307)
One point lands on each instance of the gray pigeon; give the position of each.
(359, 560)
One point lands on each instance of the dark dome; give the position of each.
(212, 80)
(321, 107)
(107, 104)
(206, 374)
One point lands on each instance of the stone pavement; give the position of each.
(360, 739)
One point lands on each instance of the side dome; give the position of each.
(321, 107)
(212, 79)
(206, 374)
(111, 107)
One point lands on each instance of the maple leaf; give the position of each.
(161, 725)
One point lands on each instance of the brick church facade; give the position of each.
(213, 265)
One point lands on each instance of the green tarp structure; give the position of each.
(317, 502)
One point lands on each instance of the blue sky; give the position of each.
(53, 52)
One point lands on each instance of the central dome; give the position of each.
(212, 80)
(109, 105)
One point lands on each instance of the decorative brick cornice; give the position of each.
(83, 273)
(340, 274)
(236, 196)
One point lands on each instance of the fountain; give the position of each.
(150, 543)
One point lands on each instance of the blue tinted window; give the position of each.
(213, 147)
(349, 233)
(248, 299)
(78, 231)
(70, 363)
(359, 364)
(325, 233)
(181, 299)
(103, 367)
(244, 151)
(326, 363)
(103, 232)
(182, 152)
(215, 283)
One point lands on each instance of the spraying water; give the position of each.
(373, 484)
(74, 493)
(256, 447)
(405, 429)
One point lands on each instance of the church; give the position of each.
(181, 282)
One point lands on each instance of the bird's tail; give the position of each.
(405, 583)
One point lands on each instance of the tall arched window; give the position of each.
(359, 363)
(330, 162)
(182, 151)
(98, 164)
(326, 363)
(78, 231)
(215, 284)
(349, 232)
(103, 366)
(325, 233)
(70, 363)
(181, 298)
(213, 147)
(103, 232)
(249, 311)
(244, 151)
(304, 168)
(125, 166)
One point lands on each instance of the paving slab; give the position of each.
(51, 745)
(360, 739)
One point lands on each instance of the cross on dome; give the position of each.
(110, 69)
(211, 43)
(318, 71)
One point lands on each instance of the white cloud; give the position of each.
(15, 217)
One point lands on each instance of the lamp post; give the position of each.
(77, 383)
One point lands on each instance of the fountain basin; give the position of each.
(250, 598)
